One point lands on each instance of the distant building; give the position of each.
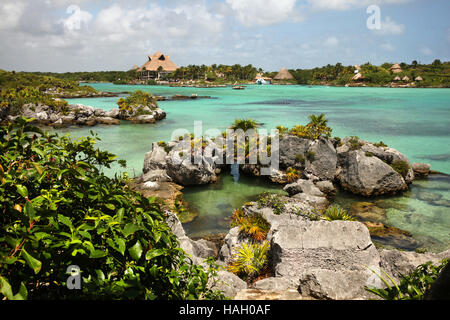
(396, 68)
(157, 66)
(419, 78)
(358, 77)
(284, 74)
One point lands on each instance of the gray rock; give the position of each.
(155, 159)
(232, 242)
(290, 146)
(367, 176)
(276, 284)
(185, 172)
(421, 169)
(397, 263)
(227, 282)
(113, 113)
(314, 251)
(326, 187)
(107, 120)
(99, 112)
(145, 118)
(303, 186)
(156, 175)
(204, 249)
(314, 201)
(325, 160)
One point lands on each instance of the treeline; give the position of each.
(216, 72)
(96, 76)
(436, 74)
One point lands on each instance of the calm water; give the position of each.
(414, 121)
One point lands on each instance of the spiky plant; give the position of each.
(335, 212)
(292, 175)
(249, 260)
(245, 124)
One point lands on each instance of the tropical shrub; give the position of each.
(136, 99)
(273, 201)
(335, 212)
(355, 144)
(402, 167)
(412, 286)
(249, 260)
(292, 175)
(245, 124)
(58, 209)
(254, 226)
(316, 128)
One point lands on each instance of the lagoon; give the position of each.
(414, 121)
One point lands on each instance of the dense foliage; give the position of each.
(118, 77)
(137, 99)
(253, 226)
(412, 286)
(58, 209)
(316, 128)
(436, 74)
(249, 260)
(216, 73)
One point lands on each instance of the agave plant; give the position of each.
(254, 226)
(292, 175)
(249, 260)
(335, 212)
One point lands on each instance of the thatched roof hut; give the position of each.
(396, 68)
(397, 78)
(284, 74)
(405, 78)
(357, 67)
(159, 60)
(135, 67)
(419, 78)
(358, 77)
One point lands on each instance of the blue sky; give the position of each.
(82, 35)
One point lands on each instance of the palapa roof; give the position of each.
(358, 76)
(397, 78)
(419, 78)
(135, 67)
(357, 67)
(159, 60)
(284, 74)
(396, 68)
(405, 78)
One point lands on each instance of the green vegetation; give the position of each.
(45, 84)
(412, 286)
(335, 212)
(402, 167)
(249, 260)
(217, 73)
(292, 175)
(316, 128)
(300, 158)
(369, 154)
(273, 201)
(59, 209)
(310, 155)
(13, 99)
(355, 143)
(244, 124)
(436, 74)
(380, 144)
(254, 226)
(137, 99)
(118, 77)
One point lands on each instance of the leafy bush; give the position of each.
(402, 167)
(292, 175)
(135, 99)
(316, 128)
(412, 286)
(58, 209)
(249, 260)
(12, 100)
(335, 212)
(355, 144)
(380, 144)
(272, 201)
(245, 124)
(254, 226)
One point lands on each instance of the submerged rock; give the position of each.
(367, 211)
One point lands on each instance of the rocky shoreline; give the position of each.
(86, 115)
(309, 258)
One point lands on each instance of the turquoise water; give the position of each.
(414, 121)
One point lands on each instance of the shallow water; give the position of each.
(414, 121)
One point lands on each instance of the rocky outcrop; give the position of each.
(86, 115)
(421, 169)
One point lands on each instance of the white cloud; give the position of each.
(350, 4)
(77, 20)
(257, 12)
(10, 14)
(390, 27)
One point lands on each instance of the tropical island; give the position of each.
(257, 156)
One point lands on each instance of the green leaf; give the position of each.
(110, 206)
(129, 229)
(97, 254)
(136, 250)
(38, 167)
(121, 245)
(6, 290)
(22, 190)
(153, 253)
(65, 220)
(29, 210)
(31, 261)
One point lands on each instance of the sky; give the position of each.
(99, 35)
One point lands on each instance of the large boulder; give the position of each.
(330, 260)
(367, 175)
(291, 147)
(323, 159)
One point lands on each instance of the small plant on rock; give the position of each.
(272, 201)
(249, 260)
(292, 175)
(402, 167)
(335, 212)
